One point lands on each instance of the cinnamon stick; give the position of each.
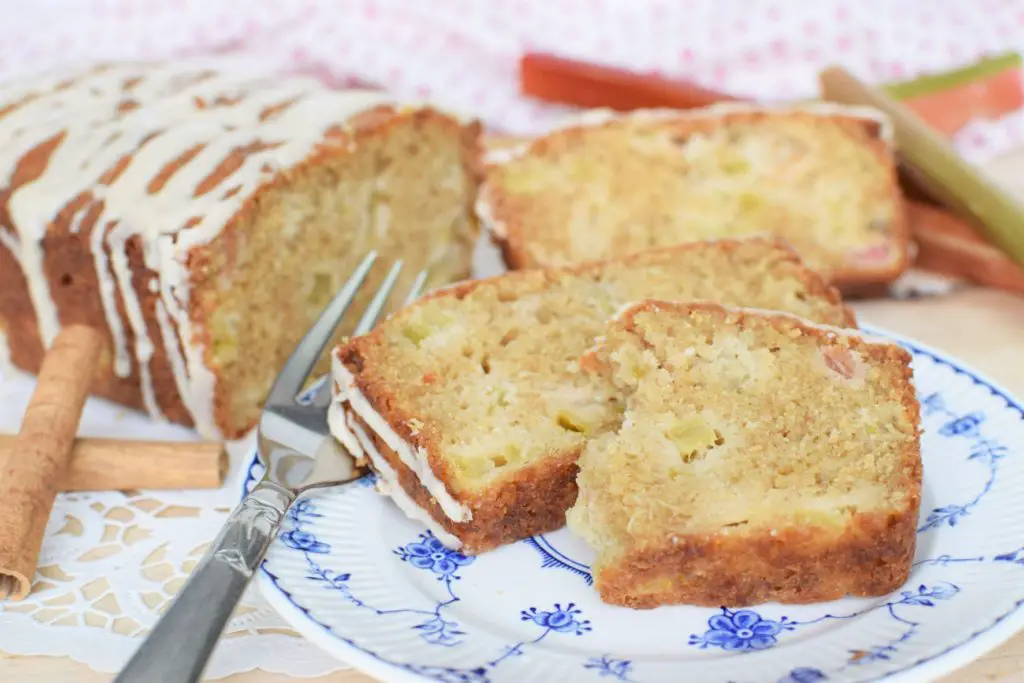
(31, 471)
(120, 464)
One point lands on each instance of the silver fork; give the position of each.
(298, 453)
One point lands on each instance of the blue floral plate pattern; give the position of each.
(351, 573)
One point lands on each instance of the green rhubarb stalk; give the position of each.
(930, 84)
(936, 166)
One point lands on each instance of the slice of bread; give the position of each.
(470, 403)
(760, 458)
(824, 178)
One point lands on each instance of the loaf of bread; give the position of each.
(202, 219)
(470, 404)
(760, 458)
(822, 177)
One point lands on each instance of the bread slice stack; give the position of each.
(471, 404)
(760, 457)
(823, 178)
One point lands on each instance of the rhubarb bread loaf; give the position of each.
(823, 178)
(470, 404)
(201, 220)
(760, 458)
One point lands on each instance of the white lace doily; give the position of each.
(111, 560)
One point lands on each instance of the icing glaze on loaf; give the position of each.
(346, 394)
(165, 154)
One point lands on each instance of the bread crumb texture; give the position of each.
(827, 184)
(759, 458)
(489, 372)
(403, 190)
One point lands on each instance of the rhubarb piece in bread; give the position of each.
(201, 220)
(470, 404)
(823, 178)
(760, 458)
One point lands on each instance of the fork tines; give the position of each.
(297, 369)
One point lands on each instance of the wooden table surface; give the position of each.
(983, 328)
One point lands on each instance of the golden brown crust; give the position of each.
(815, 284)
(71, 271)
(796, 565)
(851, 279)
(880, 352)
(70, 274)
(872, 556)
(17, 319)
(207, 260)
(536, 498)
(533, 501)
(856, 282)
(380, 397)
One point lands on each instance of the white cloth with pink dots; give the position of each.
(111, 560)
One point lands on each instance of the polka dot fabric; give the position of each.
(462, 54)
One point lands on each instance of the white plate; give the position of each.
(351, 573)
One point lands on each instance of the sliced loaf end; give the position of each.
(761, 457)
(824, 179)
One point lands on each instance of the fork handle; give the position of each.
(180, 644)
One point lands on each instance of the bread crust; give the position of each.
(70, 268)
(70, 272)
(871, 556)
(207, 260)
(531, 501)
(534, 500)
(814, 283)
(850, 279)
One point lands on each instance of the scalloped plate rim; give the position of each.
(951, 659)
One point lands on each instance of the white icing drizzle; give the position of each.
(108, 299)
(388, 485)
(172, 347)
(143, 346)
(484, 210)
(154, 114)
(341, 429)
(347, 393)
